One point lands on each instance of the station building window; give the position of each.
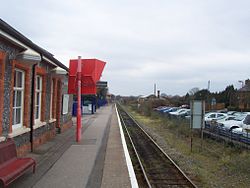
(38, 98)
(51, 98)
(20, 95)
(18, 99)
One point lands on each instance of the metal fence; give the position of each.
(216, 129)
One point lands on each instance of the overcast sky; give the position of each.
(177, 44)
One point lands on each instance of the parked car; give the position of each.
(163, 109)
(184, 106)
(238, 130)
(239, 113)
(188, 116)
(213, 116)
(226, 118)
(246, 122)
(178, 112)
(172, 109)
(159, 108)
(185, 113)
(242, 132)
(231, 112)
(242, 121)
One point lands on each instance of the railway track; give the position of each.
(158, 169)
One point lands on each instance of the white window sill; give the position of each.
(52, 120)
(39, 124)
(2, 138)
(18, 131)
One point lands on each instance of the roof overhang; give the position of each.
(59, 70)
(29, 56)
(49, 61)
(17, 39)
(12, 40)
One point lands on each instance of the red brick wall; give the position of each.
(66, 126)
(57, 99)
(58, 102)
(2, 68)
(23, 149)
(44, 138)
(54, 98)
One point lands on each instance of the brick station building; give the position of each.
(34, 104)
(244, 96)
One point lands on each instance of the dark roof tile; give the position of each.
(16, 34)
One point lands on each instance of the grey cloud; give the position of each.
(176, 44)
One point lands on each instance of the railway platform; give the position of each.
(99, 160)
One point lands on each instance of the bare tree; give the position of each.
(193, 91)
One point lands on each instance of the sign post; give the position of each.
(79, 113)
(197, 118)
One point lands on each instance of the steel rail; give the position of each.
(136, 153)
(157, 146)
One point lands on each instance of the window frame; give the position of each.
(14, 107)
(38, 119)
(51, 99)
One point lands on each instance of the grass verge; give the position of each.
(210, 164)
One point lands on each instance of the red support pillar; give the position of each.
(79, 114)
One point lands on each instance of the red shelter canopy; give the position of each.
(91, 74)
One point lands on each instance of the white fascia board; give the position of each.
(59, 70)
(15, 41)
(28, 49)
(49, 61)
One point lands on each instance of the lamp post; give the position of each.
(79, 113)
(242, 83)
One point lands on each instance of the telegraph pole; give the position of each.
(155, 89)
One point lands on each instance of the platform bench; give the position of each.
(12, 167)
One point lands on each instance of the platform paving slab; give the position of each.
(97, 161)
(75, 167)
(115, 173)
(47, 154)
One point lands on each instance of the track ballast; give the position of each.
(159, 170)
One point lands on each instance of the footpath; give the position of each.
(97, 161)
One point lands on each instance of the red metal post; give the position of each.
(79, 114)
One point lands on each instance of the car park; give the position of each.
(234, 125)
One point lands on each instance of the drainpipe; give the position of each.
(32, 117)
(32, 58)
